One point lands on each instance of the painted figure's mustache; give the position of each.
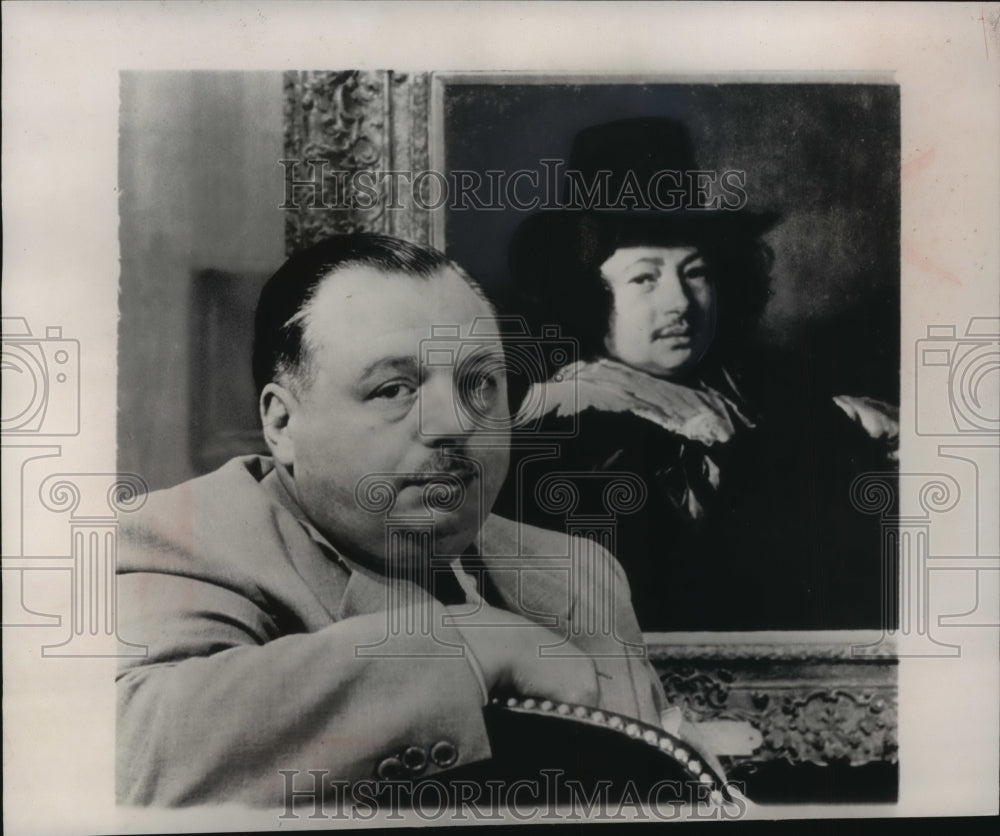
(680, 327)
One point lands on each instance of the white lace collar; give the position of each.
(696, 411)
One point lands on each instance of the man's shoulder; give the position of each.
(233, 486)
(241, 469)
(208, 518)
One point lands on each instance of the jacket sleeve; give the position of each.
(223, 703)
(602, 607)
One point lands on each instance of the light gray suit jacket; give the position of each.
(253, 633)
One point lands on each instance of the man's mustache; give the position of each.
(442, 464)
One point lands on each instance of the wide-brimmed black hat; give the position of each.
(633, 181)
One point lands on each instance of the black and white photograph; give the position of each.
(505, 440)
(615, 376)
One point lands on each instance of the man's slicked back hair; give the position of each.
(279, 348)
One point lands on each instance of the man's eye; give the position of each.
(698, 273)
(393, 391)
(643, 278)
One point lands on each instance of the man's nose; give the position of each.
(672, 295)
(441, 417)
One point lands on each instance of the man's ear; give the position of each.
(277, 404)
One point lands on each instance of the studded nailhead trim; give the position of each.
(650, 735)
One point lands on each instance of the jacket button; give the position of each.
(415, 760)
(444, 753)
(390, 768)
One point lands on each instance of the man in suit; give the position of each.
(348, 604)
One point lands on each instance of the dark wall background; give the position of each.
(826, 156)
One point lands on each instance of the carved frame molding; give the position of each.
(340, 123)
(816, 698)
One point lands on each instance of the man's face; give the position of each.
(664, 313)
(372, 406)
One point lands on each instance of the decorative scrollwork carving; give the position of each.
(830, 726)
(704, 694)
(409, 140)
(808, 724)
(351, 122)
(336, 121)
